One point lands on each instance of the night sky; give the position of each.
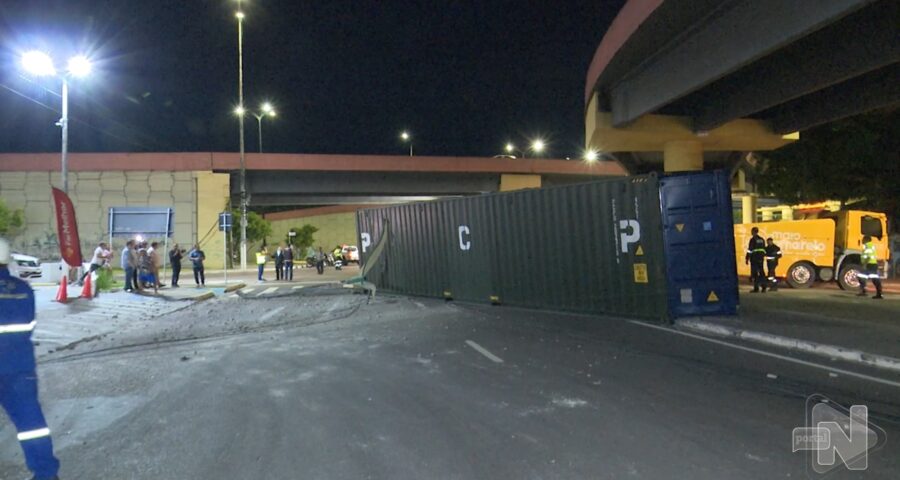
(345, 76)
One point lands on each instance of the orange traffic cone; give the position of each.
(87, 291)
(62, 295)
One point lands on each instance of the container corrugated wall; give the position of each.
(699, 235)
(594, 247)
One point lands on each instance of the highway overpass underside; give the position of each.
(312, 188)
(677, 80)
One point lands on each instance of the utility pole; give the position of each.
(240, 17)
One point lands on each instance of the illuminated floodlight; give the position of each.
(38, 63)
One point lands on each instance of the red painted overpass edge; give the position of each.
(209, 161)
(627, 21)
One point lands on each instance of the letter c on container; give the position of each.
(463, 243)
(366, 241)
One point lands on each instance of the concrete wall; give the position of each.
(93, 193)
(334, 229)
(211, 198)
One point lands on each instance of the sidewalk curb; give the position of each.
(789, 343)
(205, 296)
(236, 286)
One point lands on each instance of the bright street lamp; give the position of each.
(406, 137)
(40, 64)
(538, 146)
(591, 156)
(266, 110)
(511, 150)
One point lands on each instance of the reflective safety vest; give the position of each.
(756, 248)
(260, 258)
(16, 324)
(773, 253)
(868, 254)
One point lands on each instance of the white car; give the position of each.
(25, 266)
(350, 254)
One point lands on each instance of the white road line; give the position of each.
(248, 290)
(770, 354)
(296, 287)
(267, 291)
(478, 348)
(271, 314)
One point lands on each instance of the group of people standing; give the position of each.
(141, 262)
(284, 262)
(760, 252)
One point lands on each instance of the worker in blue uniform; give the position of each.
(18, 379)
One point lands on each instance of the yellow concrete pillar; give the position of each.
(683, 156)
(212, 197)
(748, 208)
(510, 182)
(787, 213)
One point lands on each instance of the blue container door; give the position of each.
(698, 231)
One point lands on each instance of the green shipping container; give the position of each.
(595, 248)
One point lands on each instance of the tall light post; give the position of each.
(265, 110)
(40, 64)
(407, 138)
(240, 18)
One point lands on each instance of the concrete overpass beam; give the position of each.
(718, 45)
(861, 43)
(683, 156)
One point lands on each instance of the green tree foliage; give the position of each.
(855, 158)
(11, 221)
(258, 228)
(303, 238)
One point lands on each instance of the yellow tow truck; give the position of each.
(825, 248)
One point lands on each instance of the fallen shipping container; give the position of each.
(646, 246)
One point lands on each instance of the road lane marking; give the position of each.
(296, 287)
(271, 314)
(478, 348)
(248, 290)
(770, 354)
(267, 291)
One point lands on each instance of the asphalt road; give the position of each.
(320, 384)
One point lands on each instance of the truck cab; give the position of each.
(850, 228)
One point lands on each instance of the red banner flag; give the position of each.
(67, 228)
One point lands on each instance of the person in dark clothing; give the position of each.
(756, 255)
(773, 254)
(129, 265)
(320, 261)
(288, 264)
(197, 258)
(279, 263)
(175, 256)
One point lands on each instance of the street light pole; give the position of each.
(406, 137)
(64, 124)
(265, 110)
(259, 125)
(240, 17)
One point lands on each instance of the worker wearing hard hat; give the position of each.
(18, 379)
